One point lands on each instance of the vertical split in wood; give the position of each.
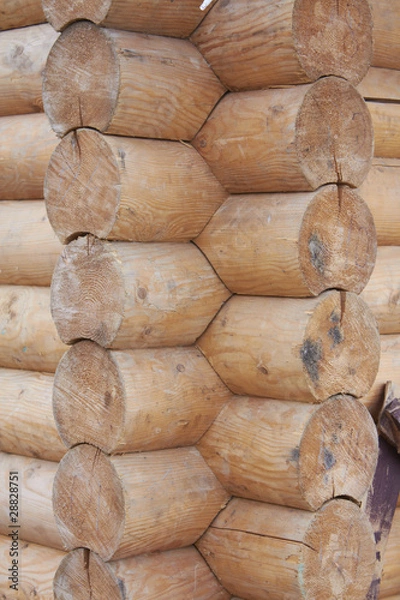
(159, 500)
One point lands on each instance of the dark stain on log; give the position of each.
(128, 53)
(295, 454)
(122, 154)
(18, 60)
(142, 293)
(107, 399)
(317, 253)
(336, 334)
(180, 368)
(311, 354)
(329, 459)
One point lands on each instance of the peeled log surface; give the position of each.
(253, 45)
(390, 583)
(389, 370)
(304, 349)
(35, 515)
(37, 567)
(292, 244)
(386, 123)
(380, 84)
(382, 293)
(28, 337)
(29, 248)
(381, 191)
(20, 13)
(263, 552)
(178, 574)
(127, 84)
(160, 17)
(129, 189)
(386, 34)
(23, 55)
(27, 425)
(133, 295)
(27, 143)
(289, 140)
(293, 454)
(135, 400)
(159, 500)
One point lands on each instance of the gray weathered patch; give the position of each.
(311, 353)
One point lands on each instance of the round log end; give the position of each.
(341, 347)
(87, 292)
(82, 186)
(338, 452)
(89, 397)
(337, 245)
(340, 553)
(86, 491)
(60, 13)
(82, 574)
(334, 134)
(81, 79)
(333, 37)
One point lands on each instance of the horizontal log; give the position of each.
(27, 143)
(36, 567)
(254, 45)
(28, 337)
(382, 293)
(159, 500)
(27, 425)
(133, 295)
(126, 83)
(178, 574)
(290, 453)
(386, 123)
(23, 56)
(135, 400)
(35, 510)
(389, 369)
(20, 13)
(129, 189)
(289, 140)
(386, 18)
(380, 84)
(292, 244)
(29, 248)
(294, 349)
(261, 551)
(160, 17)
(381, 191)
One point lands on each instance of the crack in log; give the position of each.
(265, 536)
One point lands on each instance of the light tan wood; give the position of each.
(381, 191)
(386, 35)
(129, 189)
(382, 293)
(266, 552)
(160, 17)
(135, 400)
(253, 45)
(127, 83)
(159, 500)
(178, 574)
(27, 143)
(289, 140)
(29, 248)
(386, 123)
(389, 370)
(28, 337)
(290, 453)
(35, 508)
(292, 244)
(390, 583)
(37, 566)
(27, 425)
(294, 349)
(380, 84)
(134, 295)
(20, 13)
(23, 55)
